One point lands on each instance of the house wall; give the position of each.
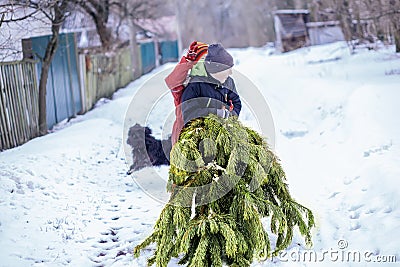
(11, 34)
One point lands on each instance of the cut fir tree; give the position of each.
(223, 180)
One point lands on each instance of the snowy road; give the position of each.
(65, 198)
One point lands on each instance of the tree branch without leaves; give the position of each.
(2, 19)
(382, 14)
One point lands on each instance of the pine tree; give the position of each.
(223, 180)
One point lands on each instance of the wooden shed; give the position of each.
(290, 29)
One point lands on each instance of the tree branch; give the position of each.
(18, 19)
(382, 14)
(2, 18)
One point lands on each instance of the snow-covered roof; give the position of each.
(322, 23)
(292, 11)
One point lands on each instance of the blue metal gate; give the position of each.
(63, 94)
(169, 51)
(148, 57)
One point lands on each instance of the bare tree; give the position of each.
(99, 11)
(4, 40)
(131, 13)
(111, 17)
(55, 12)
(362, 18)
(238, 23)
(121, 11)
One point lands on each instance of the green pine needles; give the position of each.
(223, 180)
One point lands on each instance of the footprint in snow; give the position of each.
(387, 210)
(349, 180)
(370, 211)
(355, 226)
(109, 232)
(354, 215)
(334, 194)
(355, 207)
(30, 185)
(294, 134)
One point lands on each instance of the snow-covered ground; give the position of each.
(65, 198)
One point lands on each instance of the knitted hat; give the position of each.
(218, 59)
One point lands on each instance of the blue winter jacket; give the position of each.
(204, 95)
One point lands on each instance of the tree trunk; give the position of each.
(59, 16)
(2, 18)
(48, 57)
(344, 16)
(104, 33)
(396, 34)
(394, 18)
(137, 72)
(359, 33)
(99, 11)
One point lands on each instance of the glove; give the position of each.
(223, 113)
(196, 51)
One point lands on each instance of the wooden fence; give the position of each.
(19, 111)
(100, 75)
(103, 74)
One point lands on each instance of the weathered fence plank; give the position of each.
(4, 128)
(104, 74)
(10, 106)
(18, 103)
